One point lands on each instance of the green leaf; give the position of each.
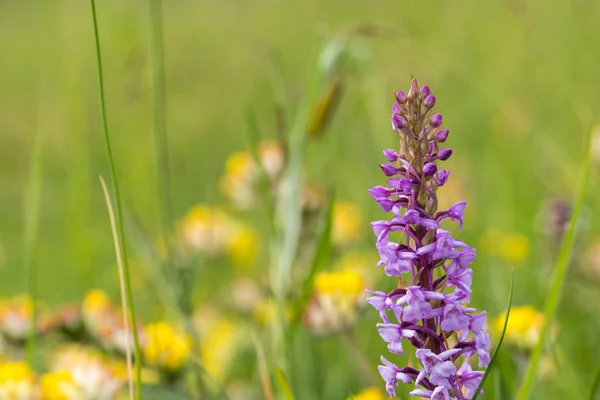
(497, 349)
(560, 272)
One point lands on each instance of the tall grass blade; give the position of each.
(263, 369)
(595, 384)
(560, 272)
(497, 349)
(113, 227)
(119, 208)
(161, 142)
(289, 214)
(32, 228)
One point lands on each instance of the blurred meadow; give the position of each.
(259, 90)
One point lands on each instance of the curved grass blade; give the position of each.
(113, 226)
(497, 349)
(595, 384)
(118, 206)
(560, 272)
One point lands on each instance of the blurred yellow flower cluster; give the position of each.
(166, 347)
(75, 373)
(512, 247)
(15, 317)
(371, 393)
(18, 382)
(239, 184)
(163, 345)
(347, 222)
(78, 372)
(211, 230)
(336, 302)
(104, 321)
(524, 326)
(221, 339)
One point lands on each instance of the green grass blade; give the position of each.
(595, 383)
(562, 264)
(284, 384)
(119, 208)
(497, 349)
(289, 214)
(31, 239)
(161, 142)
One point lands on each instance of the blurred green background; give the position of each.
(517, 82)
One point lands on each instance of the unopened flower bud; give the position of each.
(435, 120)
(396, 110)
(442, 135)
(429, 101)
(444, 154)
(429, 169)
(425, 91)
(391, 155)
(401, 97)
(388, 169)
(398, 122)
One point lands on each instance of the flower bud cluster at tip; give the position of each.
(432, 311)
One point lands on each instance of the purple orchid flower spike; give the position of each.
(413, 248)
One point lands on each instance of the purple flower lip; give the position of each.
(435, 305)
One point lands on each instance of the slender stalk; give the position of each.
(119, 209)
(160, 115)
(113, 226)
(562, 264)
(32, 227)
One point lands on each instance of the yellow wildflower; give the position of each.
(78, 372)
(240, 165)
(524, 326)
(17, 381)
(336, 301)
(96, 301)
(343, 283)
(205, 229)
(218, 347)
(371, 393)
(15, 317)
(360, 263)
(166, 347)
(57, 385)
(239, 183)
(242, 246)
(513, 247)
(346, 222)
